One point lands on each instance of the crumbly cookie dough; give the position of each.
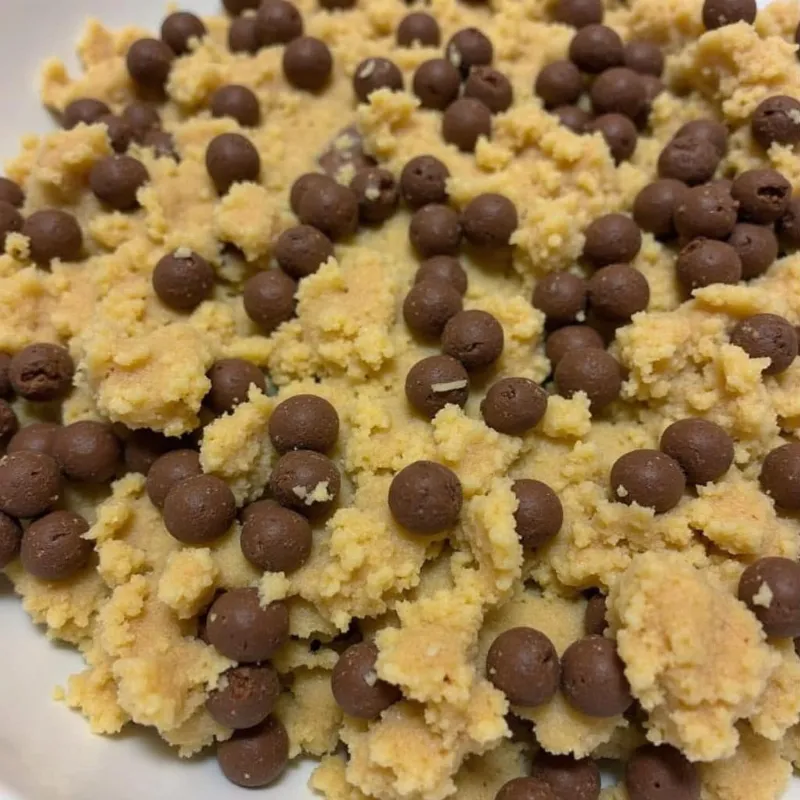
(706, 678)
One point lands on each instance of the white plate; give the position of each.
(46, 751)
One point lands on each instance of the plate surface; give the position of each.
(46, 751)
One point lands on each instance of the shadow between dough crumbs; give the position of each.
(415, 388)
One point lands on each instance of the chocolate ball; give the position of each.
(618, 90)
(275, 539)
(255, 757)
(85, 110)
(617, 292)
(307, 63)
(780, 476)
(559, 83)
(776, 120)
(464, 122)
(577, 779)
(561, 297)
(168, 471)
(491, 87)
(237, 102)
(644, 57)
(149, 62)
(42, 372)
(306, 481)
(655, 205)
(618, 132)
(304, 422)
(611, 239)
(702, 448)
(770, 587)
(514, 405)
(53, 234)
(355, 685)
(592, 371)
(424, 181)
(199, 510)
(763, 195)
(373, 74)
(246, 696)
(38, 437)
(593, 677)
(183, 281)
(54, 548)
(301, 250)
(178, 30)
(489, 220)
(420, 28)
(435, 230)
(278, 22)
(10, 539)
(767, 336)
(331, 208)
(87, 451)
(704, 262)
(435, 382)
(269, 299)
(718, 13)
(469, 48)
(443, 268)
(523, 664)
(661, 772)
(231, 379)
(756, 246)
(596, 48)
(689, 159)
(377, 194)
(429, 305)
(232, 158)
(473, 337)
(650, 478)
(578, 13)
(539, 515)
(425, 498)
(571, 337)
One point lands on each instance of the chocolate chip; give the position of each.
(278, 22)
(559, 83)
(523, 664)
(425, 498)
(120, 134)
(788, 226)
(10, 538)
(199, 510)
(231, 379)
(116, 179)
(514, 405)
(569, 778)
(53, 234)
(469, 48)
(235, 7)
(435, 230)
(435, 382)
(86, 110)
(275, 539)
(302, 250)
(594, 618)
(708, 130)
(246, 696)
(611, 239)
(42, 372)
(756, 246)
(578, 13)
(179, 28)
(572, 337)
(491, 87)
(592, 371)
(231, 158)
(11, 193)
(618, 291)
(576, 119)
(243, 36)
(703, 449)
(237, 102)
(776, 120)
(689, 159)
(539, 515)
(618, 90)
(489, 220)
(257, 756)
(436, 83)
(355, 685)
(376, 73)
(619, 134)
(596, 48)
(661, 773)
(780, 476)
(307, 63)
(429, 305)
(11, 221)
(655, 205)
(329, 207)
(306, 481)
(87, 451)
(377, 194)
(443, 268)
(144, 447)
(763, 195)
(653, 87)
(269, 299)
(525, 789)
(474, 337)
(183, 282)
(770, 587)
(241, 629)
(767, 336)
(38, 437)
(704, 262)
(418, 27)
(648, 477)
(464, 122)
(718, 13)
(644, 57)
(304, 422)
(168, 471)
(424, 181)
(149, 62)
(593, 677)
(53, 547)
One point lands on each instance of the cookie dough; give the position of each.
(215, 255)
